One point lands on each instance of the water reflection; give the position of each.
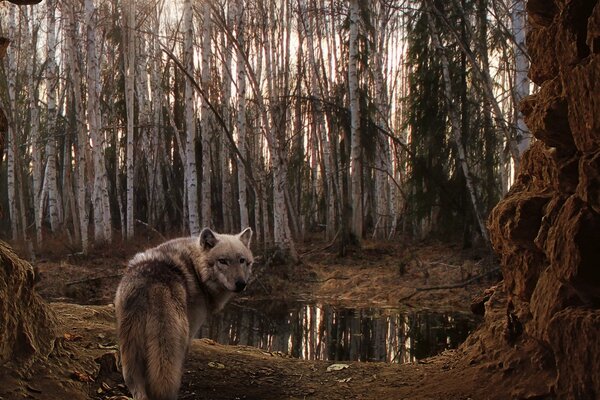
(323, 332)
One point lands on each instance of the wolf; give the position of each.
(165, 296)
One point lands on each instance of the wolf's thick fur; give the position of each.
(165, 296)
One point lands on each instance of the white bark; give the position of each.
(100, 199)
(130, 51)
(224, 154)
(276, 141)
(322, 130)
(190, 122)
(383, 157)
(241, 113)
(12, 134)
(54, 202)
(356, 150)
(521, 84)
(73, 43)
(36, 150)
(206, 116)
(158, 153)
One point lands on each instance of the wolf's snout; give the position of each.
(240, 285)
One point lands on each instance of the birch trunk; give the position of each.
(36, 150)
(12, 134)
(276, 142)
(205, 119)
(51, 174)
(100, 200)
(129, 56)
(322, 131)
(241, 113)
(156, 132)
(72, 40)
(190, 123)
(383, 157)
(521, 85)
(455, 125)
(356, 226)
(224, 154)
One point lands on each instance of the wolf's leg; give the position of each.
(166, 341)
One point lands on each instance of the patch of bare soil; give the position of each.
(387, 275)
(84, 364)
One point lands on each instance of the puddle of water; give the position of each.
(323, 332)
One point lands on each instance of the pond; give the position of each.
(324, 332)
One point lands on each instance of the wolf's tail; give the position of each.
(167, 338)
(133, 361)
(153, 346)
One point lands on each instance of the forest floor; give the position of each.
(84, 364)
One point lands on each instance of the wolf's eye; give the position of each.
(223, 261)
(242, 260)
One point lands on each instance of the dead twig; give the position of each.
(152, 229)
(328, 279)
(450, 286)
(323, 248)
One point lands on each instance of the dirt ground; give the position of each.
(84, 364)
(378, 275)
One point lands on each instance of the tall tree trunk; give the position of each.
(190, 122)
(205, 199)
(382, 157)
(241, 113)
(100, 203)
(455, 123)
(356, 227)
(521, 85)
(129, 56)
(224, 153)
(157, 132)
(51, 174)
(12, 134)
(322, 133)
(34, 121)
(72, 40)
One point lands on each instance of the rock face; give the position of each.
(27, 330)
(547, 229)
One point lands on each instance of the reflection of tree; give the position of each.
(325, 332)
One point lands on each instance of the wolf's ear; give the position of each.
(245, 237)
(208, 239)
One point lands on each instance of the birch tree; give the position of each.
(190, 122)
(521, 84)
(50, 175)
(241, 112)
(73, 43)
(34, 118)
(206, 116)
(100, 196)
(356, 227)
(129, 56)
(12, 134)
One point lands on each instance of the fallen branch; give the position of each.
(152, 229)
(323, 248)
(450, 286)
(328, 279)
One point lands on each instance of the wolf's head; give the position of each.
(228, 257)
